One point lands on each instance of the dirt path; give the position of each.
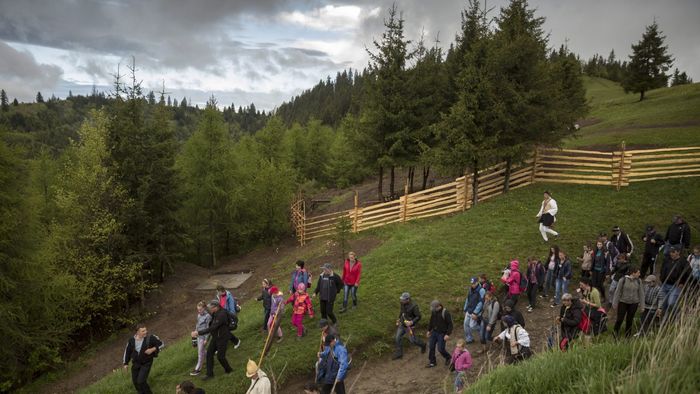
(172, 306)
(410, 375)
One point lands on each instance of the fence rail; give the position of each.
(570, 166)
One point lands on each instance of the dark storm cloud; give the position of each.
(20, 74)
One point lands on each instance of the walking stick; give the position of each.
(269, 334)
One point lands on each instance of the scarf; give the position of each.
(545, 205)
(514, 346)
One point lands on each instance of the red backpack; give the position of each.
(585, 324)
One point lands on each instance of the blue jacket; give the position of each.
(475, 300)
(565, 271)
(333, 366)
(299, 277)
(230, 302)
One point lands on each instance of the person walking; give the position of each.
(218, 342)
(602, 261)
(203, 320)
(333, 367)
(299, 275)
(274, 322)
(259, 382)
(622, 242)
(473, 305)
(409, 316)
(512, 278)
(439, 331)
(652, 302)
(677, 235)
(352, 270)
(621, 268)
(229, 304)
(653, 241)
(327, 287)
(301, 306)
(547, 216)
(489, 316)
(140, 350)
(628, 295)
(674, 275)
(461, 361)
(516, 339)
(535, 276)
(552, 265)
(570, 315)
(266, 298)
(564, 274)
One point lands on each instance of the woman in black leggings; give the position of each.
(628, 295)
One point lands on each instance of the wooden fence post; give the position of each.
(534, 165)
(356, 215)
(465, 203)
(404, 205)
(621, 170)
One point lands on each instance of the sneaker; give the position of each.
(396, 356)
(529, 306)
(553, 305)
(430, 365)
(529, 309)
(422, 348)
(194, 372)
(237, 344)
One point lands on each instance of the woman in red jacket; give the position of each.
(351, 279)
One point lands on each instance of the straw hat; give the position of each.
(251, 369)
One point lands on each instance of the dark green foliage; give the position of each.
(680, 78)
(649, 63)
(39, 97)
(598, 66)
(4, 105)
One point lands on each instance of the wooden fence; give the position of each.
(617, 169)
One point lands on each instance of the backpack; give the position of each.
(232, 321)
(488, 286)
(523, 283)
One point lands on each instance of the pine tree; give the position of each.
(386, 108)
(151, 98)
(15, 103)
(39, 98)
(680, 78)
(4, 105)
(648, 64)
(183, 103)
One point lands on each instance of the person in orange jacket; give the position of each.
(302, 305)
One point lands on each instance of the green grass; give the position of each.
(667, 116)
(433, 259)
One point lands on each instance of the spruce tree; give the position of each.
(648, 64)
(4, 104)
(39, 97)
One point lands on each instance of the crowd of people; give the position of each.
(609, 281)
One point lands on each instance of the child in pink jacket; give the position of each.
(511, 278)
(461, 361)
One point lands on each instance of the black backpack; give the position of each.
(232, 321)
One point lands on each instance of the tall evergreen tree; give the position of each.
(39, 97)
(648, 64)
(386, 109)
(4, 104)
(680, 78)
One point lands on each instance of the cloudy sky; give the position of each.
(265, 51)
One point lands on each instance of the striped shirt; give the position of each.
(652, 297)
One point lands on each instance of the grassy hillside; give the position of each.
(433, 259)
(667, 116)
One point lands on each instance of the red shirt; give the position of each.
(351, 276)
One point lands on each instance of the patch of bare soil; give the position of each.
(410, 375)
(172, 305)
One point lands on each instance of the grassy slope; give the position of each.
(667, 116)
(433, 259)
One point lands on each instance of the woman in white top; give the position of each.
(547, 216)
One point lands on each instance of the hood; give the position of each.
(514, 265)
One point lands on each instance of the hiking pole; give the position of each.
(269, 335)
(357, 377)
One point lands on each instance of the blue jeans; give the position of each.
(670, 295)
(485, 335)
(352, 290)
(438, 339)
(470, 325)
(562, 286)
(548, 282)
(401, 330)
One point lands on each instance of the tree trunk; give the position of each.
(475, 184)
(641, 95)
(380, 187)
(211, 239)
(506, 180)
(426, 174)
(391, 182)
(411, 174)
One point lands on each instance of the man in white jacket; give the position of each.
(259, 382)
(547, 216)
